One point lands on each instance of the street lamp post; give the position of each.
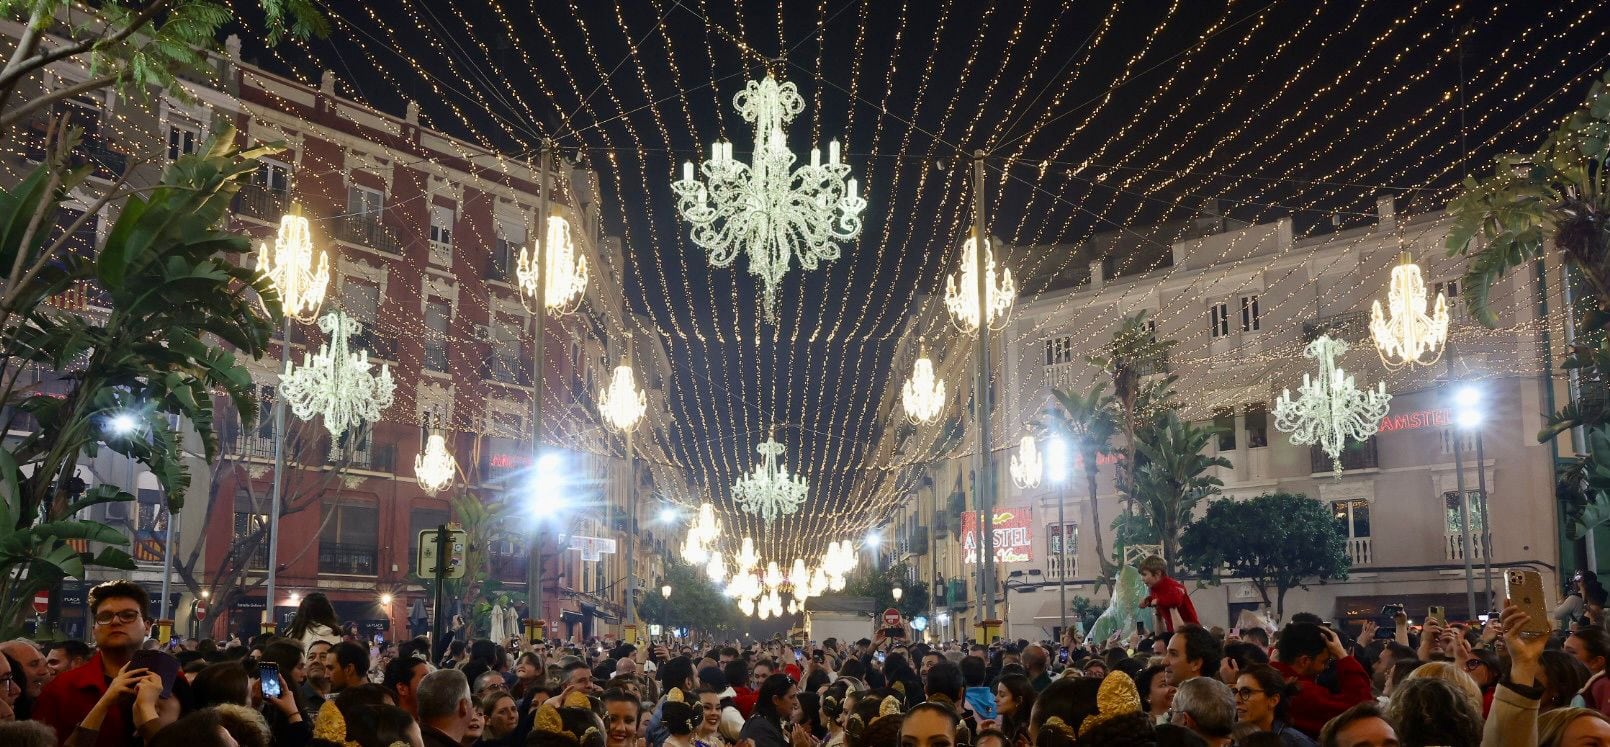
(1467, 546)
(1057, 467)
(1468, 416)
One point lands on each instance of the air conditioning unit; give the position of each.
(483, 333)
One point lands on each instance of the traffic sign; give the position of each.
(41, 601)
(891, 617)
(456, 565)
(201, 609)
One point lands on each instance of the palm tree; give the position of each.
(1091, 422)
(1175, 477)
(1131, 362)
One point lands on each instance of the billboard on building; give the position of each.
(1014, 535)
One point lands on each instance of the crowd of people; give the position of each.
(1305, 683)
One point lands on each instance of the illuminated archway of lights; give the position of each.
(634, 95)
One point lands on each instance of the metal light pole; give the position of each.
(983, 482)
(1468, 417)
(1056, 465)
(280, 406)
(1464, 521)
(533, 571)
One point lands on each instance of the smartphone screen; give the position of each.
(268, 676)
(1140, 627)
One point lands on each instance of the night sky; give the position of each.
(1096, 117)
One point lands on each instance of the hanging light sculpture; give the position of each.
(961, 290)
(336, 383)
(923, 394)
(622, 404)
(1331, 409)
(288, 265)
(1409, 337)
(769, 491)
(434, 467)
(766, 208)
(567, 270)
(1026, 465)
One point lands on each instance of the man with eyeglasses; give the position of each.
(99, 697)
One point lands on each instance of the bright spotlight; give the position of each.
(667, 515)
(1058, 459)
(548, 485)
(1467, 396)
(873, 539)
(1467, 403)
(122, 424)
(385, 600)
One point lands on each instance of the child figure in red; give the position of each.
(1167, 595)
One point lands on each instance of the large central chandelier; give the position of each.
(758, 589)
(923, 394)
(566, 270)
(1331, 409)
(288, 265)
(435, 467)
(769, 491)
(1409, 337)
(336, 383)
(767, 208)
(961, 290)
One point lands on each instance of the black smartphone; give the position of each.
(162, 664)
(268, 677)
(1140, 627)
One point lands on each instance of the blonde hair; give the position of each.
(1450, 673)
(1551, 724)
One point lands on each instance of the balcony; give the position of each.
(1454, 547)
(958, 593)
(508, 370)
(366, 229)
(1359, 551)
(1053, 565)
(259, 201)
(253, 446)
(1353, 326)
(441, 254)
(1354, 456)
(351, 560)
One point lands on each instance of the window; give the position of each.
(265, 412)
(422, 520)
(183, 137)
(1249, 313)
(441, 225)
(1352, 518)
(1224, 428)
(1054, 535)
(247, 526)
(1454, 524)
(364, 201)
(273, 176)
(1450, 289)
(436, 316)
(347, 543)
(506, 248)
(506, 363)
(150, 525)
(1058, 350)
(1257, 425)
(508, 425)
(361, 301)
(1219, 319)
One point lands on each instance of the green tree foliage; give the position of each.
(174, 292)
(867, 581)
(132, 46)
(1089, 421)
(1277, 541)
(1507, 221)
(695, 603)
(1174, 478)
(1136, 364)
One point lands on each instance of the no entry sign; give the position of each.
(41, 601)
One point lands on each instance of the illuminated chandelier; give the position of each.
(924, 393)
(434, 467)
(769, 491)
(1026, 465)
(288, 265)
(1409, 337)
(961, 290)
(1331, 409)
(766, 208)
(567, 271)
(622, 404)
(336, 383)
(699, 546)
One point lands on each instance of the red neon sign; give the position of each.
(1416, 420)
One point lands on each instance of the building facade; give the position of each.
(1241, 303)
(423, 233)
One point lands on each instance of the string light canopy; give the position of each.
(566, 274)
(1405, 335)
(766, 208)
(924, 393)
(435, 467)
(1026, 466)
(288, 265)
(1331, 409)
(961, 290)
(336, 383)
(769, 491)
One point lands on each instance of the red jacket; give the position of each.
(1169, 594)
(70, 697)
(744, 700)
(1314, 704)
